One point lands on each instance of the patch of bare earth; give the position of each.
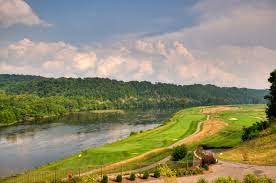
(209, 127)
(216, 109)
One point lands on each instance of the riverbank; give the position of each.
(31, 119)
(182, 124)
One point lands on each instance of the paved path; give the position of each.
(225, 168)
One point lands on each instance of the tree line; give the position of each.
(256, 129)
(25, 97)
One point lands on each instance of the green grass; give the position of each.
(137, 164)
(182, 124)
(230, 136)
(260, 151)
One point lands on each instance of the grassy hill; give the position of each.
(260, 151)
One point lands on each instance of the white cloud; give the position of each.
(84, 61)
(250, 65)
(224, 66)
(145, 70)
(109, 66)
(151, 47)
(47, 58)
(18, 12)
(232, 44)
(61, 59)
(242, 23)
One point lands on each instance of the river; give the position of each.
(31, 144)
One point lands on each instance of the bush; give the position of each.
(166, 171)
(201, 180)
(72, 180)
(250, 178)
(156, 173)
(179, 152)
(187, 171)
(208, 159)
(105, 179)
(205, 166)
(119, 178)
(132, 133)
(89, 178)
(226, 180)
(254, 130)
(168, 174)
(196, 171)
(132, 177)
(145, 175)
(265, 179)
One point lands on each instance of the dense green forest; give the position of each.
(24, 97)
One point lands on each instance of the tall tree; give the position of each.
(271, 106)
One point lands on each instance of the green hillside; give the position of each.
(26, 97)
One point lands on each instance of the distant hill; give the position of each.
(115, 91)
(28, 97)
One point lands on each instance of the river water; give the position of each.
(32, 144)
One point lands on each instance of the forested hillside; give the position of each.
(26, 97)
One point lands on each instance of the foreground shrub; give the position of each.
(119, 178)
(145, 175)
(105, 179)
(208, 159)
(226, 180)
(205, 167)
(72, 180)
(265, 179)
(188, 171)
(168, 174)
(132, 177)
(166, 171)
(92, 178)
(133, 133)
(201, 180)
(156, 173)
(251, 178)
(179, 152)
(254, 130)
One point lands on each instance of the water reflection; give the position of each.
(30, 145)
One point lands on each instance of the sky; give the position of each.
(225, 43)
